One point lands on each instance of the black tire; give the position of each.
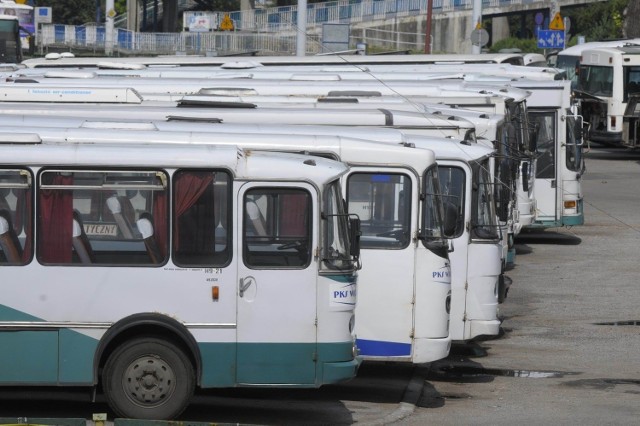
(148, 378)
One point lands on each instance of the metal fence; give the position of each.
(267, 30)
(91, 38)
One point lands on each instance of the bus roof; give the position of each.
(163, 87)
(513, 58)
(579, 48)
(292, 114)
(453, 150)
(243, 163)
(350, 150)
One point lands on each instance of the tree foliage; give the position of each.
(599, 21)
(71, 12)
(526, 45)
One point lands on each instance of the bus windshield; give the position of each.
(432, 220)
(575, 161)
(569, 64)
(336, 246)
(452, 187)
(518, 118)
(596, 80)
(484, 223)
(382, 201)
(546, 155)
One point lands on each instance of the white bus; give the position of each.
(568, 59)
(58, 61)
(477, 282)
(213, 266)
(559, 157)
(394, 191)
(608, 78)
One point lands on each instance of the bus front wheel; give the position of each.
(148, 378)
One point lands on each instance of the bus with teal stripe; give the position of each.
(153, 270)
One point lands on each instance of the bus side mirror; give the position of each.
(450, 219)
(525, 177)
(533, 137)
(354, 237)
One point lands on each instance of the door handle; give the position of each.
(245, 283)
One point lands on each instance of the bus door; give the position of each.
(546, 180)
(631, 122)
(276, 289)
(384, 202)
(455, 179)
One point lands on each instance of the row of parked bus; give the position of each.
(225, 223)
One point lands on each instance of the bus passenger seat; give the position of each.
(256, 218)
(8, 239)
(124, 215)
(80, 241)
(145, 226)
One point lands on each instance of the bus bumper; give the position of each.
(429, 350)
(336, 372)
(484, 328)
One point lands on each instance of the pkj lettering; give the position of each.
(440, 274)
(343, 294)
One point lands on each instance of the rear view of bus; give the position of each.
(608, 86)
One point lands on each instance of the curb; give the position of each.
(410, 398)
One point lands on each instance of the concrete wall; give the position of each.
(447, 31)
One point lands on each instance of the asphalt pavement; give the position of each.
(569, 352)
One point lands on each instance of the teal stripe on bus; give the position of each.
(305, 364)
(341, 278)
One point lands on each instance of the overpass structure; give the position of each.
(386, 25)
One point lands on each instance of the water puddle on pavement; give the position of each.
(628, 385)
(481, 371)
(618, 323)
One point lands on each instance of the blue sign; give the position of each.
(551, 39)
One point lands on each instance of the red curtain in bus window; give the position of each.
(293, 215)
(189, 187)
(56, 215)
(160, 220)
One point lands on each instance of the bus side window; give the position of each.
(201, 218)
(277, 228)
(15, 217)
(78, 214)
